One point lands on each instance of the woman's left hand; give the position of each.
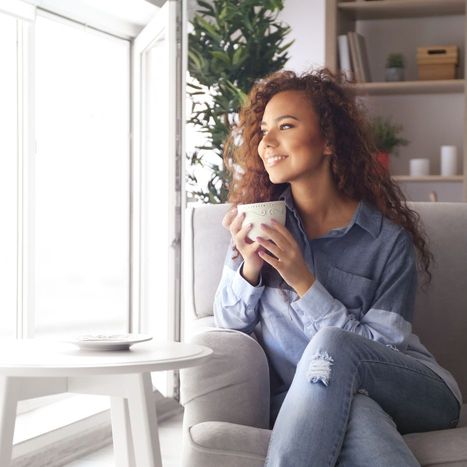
(288, 261)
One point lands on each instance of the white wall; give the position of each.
(307, 20)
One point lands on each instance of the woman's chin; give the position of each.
(273, 178)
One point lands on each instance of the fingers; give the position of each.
(275, 263)
(269, 246)
(229, 217)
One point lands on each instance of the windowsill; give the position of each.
(58, 415)
(69, 428)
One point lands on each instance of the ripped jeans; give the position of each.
(349, 402)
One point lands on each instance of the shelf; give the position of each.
(428, 178)
(384, 9)
(411, 87)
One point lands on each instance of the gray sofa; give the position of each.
(226, 400)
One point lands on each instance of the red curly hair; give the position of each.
(344, 126)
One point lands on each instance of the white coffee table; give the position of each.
(34, 368)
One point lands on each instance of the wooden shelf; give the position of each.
(429, 178)
(384, 9)
(411, 87)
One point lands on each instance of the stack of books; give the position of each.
(353, 57)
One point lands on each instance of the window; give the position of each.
(82, 180)
(8, 175)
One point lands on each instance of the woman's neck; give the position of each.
(321, 206)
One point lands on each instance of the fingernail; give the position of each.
(249, 226)
(264, 226)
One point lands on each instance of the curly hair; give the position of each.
(344, 126)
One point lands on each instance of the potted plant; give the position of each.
(395, 67)
(386, 138)
(232, 44)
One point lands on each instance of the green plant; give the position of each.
(386, 135)
(232, 44)
(395, 61)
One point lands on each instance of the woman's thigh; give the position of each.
(411, 393)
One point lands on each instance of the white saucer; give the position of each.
(109, 341)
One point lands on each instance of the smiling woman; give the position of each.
(332, 291)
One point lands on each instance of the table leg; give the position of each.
(121, 433)
(8, 404)
(143, 418)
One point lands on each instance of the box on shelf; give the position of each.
(437, 62)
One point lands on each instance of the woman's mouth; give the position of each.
(274, 160)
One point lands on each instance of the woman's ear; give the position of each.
(328, 150)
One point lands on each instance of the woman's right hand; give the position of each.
(253, 263)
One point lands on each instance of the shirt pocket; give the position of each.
(352, 290)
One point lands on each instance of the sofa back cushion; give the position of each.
(440, 318)
(206, 247)
(441, 309)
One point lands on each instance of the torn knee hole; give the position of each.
(320, 368)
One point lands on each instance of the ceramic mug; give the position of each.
(262, 213)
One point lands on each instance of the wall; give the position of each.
(307, 20)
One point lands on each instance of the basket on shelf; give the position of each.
(437, 62)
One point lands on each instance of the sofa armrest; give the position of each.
(233, 384)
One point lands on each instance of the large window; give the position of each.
(82, 176)
(64, 178)
(8, 175)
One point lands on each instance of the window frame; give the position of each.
(26, 15)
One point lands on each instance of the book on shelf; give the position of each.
(359, 57)
(345, 64)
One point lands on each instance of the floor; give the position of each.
(170, 436)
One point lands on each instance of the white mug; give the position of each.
(419, 167)
(448, 160)
(262, 213)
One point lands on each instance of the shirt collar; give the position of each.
(366, 215)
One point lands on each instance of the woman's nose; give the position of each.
(269, 139)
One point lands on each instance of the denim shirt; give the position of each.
(366, 281)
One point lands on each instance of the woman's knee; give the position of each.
(328, 340)
(319, 356)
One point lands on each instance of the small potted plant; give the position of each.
(395, 67)
(386, 138)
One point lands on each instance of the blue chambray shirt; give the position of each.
(365, 283)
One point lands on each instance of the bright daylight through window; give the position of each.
(81, 180)
(8, 175)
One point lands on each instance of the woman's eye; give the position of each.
(286, 126)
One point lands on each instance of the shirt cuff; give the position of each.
(249, 294)
(315, 303)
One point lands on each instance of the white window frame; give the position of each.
(26, 153)
(139, 204)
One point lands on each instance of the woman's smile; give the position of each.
(274, 160)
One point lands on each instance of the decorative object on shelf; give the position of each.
(437, 62)
(386, 138)
(394, 67)
(433, 197)
(448, 160)
(419, 167)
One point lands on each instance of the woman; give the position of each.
(331, 295)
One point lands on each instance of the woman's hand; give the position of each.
(252, 265)
(288, 261)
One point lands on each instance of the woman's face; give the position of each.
(292, 148)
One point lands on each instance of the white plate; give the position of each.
(109, 341)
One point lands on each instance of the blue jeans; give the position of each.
(349, 402)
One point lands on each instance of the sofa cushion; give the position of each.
(227, 444)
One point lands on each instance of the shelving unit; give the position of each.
(342, 17)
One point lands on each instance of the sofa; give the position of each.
(226, 400)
